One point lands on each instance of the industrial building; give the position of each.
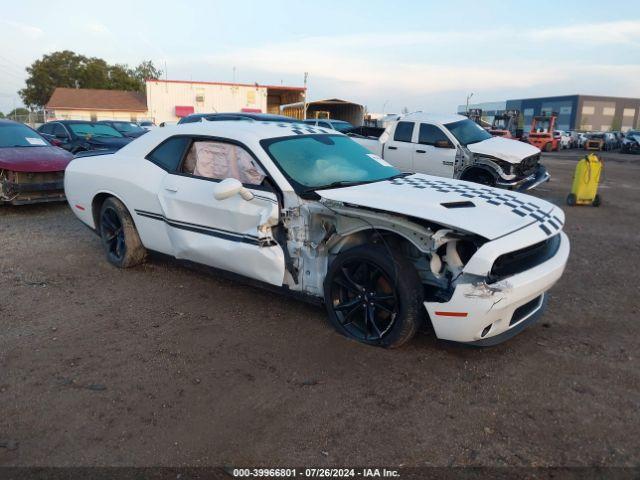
(169, 100)
(575, 112)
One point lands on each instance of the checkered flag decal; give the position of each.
(547, 222)
(299, 128)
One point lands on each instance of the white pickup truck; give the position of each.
(453, 146)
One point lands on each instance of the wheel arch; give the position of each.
(476, 169)
(96, 204)
(374, 235)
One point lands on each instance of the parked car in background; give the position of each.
(310, 211)
(147, 124)
(605, 141)
(31, 169)
(631, 142)
(564, 139)
(453, 146)
(582, 140)
(575, 139)
(221, 117)
(128, 129)
(79, 135)
(338, 125)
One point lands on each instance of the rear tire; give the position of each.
(374, 296)
(571, 200)
(120, 239)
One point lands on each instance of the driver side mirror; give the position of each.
(443, 144)
(229, 187)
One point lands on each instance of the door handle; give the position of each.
(392, 148)
(421, 151)
(171, 189)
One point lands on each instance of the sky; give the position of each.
(419, 55)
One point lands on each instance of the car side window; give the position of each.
(46, 128)
(59, 130)
(404, 132)
(168, 155)
(220, 160)
(430, 134)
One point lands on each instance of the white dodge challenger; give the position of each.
(311, 211)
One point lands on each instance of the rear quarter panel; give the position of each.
(134, 181)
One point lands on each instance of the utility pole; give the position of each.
(468, 98)
(304, 105)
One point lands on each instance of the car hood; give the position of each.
(115, 142)
(34, 159)
(513, 151)
(470, 207)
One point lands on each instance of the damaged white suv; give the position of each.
(311, 211)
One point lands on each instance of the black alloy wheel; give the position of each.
(112, 233)
(373, 294)
(364, 300)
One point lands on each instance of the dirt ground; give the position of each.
(164, 365)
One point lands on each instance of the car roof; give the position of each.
(432, 117)
(244, 132)
(254, 116)
(7, 120)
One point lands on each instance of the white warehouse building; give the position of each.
(170, 100)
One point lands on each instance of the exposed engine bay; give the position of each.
(317, 231)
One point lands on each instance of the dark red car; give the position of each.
(31, 169)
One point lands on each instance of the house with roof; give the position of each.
(96, 104)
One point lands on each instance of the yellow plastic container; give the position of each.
(585, 182)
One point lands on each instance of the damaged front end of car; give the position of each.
(21, 188)
(522, 176)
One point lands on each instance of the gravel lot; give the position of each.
(164, 365)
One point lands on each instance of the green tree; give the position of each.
(72, 70)
(1, 115)
(18, 112)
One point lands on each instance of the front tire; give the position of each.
(374, 296)
(120, 239)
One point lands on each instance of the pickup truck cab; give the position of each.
(453, 146)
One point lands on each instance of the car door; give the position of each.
(62, 135)
(399, 149)
(434, 152)
(233, 234)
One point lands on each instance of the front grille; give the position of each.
(525, 310)
(524, 259)
(528, 166)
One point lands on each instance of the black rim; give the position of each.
(112, 233)
(364, 300)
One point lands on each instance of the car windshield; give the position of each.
(342, 126)
(146, 124)
(324, 161)
(18, 135)
(94, 130)
(467, 131)
(127, 127)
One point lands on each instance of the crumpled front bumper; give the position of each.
(523, 184)
(486, 314)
